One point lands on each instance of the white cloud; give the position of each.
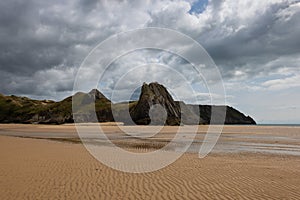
(283, 83)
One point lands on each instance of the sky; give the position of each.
(255, 45)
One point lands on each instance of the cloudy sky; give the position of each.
(254, 43)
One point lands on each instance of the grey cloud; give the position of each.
(39, 37)
(266, 37)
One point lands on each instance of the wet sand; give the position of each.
(234, 139)
(61, 168)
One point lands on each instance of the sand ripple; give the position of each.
(42, 169)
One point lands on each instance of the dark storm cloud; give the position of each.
(36, 37)
(23, 50)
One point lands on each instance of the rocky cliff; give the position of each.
(155, 107)
(155, 99)
(178, 112)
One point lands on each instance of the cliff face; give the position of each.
(233, 116)
(155, 106)
(155, 97)
(178, 112)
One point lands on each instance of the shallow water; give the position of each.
(234, 139)
(250, 147)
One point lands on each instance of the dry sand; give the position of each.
(46, 169)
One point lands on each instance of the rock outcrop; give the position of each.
(155, 97)
(155, 107)
(178, 112)
(232, 116)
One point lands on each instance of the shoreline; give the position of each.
(233, 139)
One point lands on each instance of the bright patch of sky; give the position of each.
(198, 6)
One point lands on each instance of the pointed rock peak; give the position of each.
(96, 94)
(155, 84)
(152, 84)
(156, 90)
(94, 91)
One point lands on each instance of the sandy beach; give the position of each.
(59, 167)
